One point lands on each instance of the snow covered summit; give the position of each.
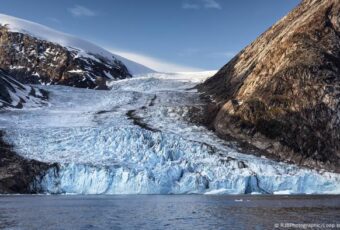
(34, 53)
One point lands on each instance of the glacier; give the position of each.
(136, 139)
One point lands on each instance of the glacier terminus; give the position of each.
(136, 139)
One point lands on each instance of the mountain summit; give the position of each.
(281, 93)
(34, 53)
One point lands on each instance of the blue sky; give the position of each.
(167, 35)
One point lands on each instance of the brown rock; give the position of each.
(281, 94)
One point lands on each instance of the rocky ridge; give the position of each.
(37, 61)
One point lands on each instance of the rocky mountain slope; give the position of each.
(33, 53)
(16, 95)
(281, 94)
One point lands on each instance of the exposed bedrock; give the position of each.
(281, 93)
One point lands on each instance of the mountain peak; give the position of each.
(34, 53)
(42, 32)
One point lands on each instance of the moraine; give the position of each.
(135, 139)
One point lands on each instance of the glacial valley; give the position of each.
(136, 139)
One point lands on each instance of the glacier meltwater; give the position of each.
(135, 139)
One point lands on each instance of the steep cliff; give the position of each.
(281, 94)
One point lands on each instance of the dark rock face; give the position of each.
(281, 94)
(15, 95)
(34, 61)
(17, 174)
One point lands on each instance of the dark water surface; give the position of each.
(167, 212)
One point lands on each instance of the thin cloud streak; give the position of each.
(80, 11)
(154, 63)
(200, 4)
(211, 4)
(190, 6)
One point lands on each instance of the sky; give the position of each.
(166, 35)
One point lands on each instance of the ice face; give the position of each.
(135, 139)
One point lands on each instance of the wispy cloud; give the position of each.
(190, 6)
(200, 4)
(211, 4)
(154, 63)
(79, 11)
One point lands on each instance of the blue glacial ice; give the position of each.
(101, 151)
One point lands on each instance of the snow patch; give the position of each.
(79, 71)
